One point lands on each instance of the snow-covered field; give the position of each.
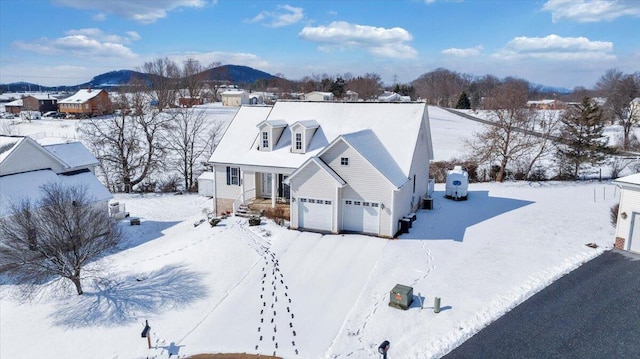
(266, 289)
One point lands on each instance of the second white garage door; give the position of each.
(315, 214)
(361, 216)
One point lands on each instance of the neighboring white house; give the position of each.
(235, 98)
(628, 222)
(318, 96)
(341, 166)
(25, 166)
(389, 96)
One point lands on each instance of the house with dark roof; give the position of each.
(40, 102)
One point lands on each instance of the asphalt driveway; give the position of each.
(592, 312)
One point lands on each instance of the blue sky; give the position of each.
(564, 43)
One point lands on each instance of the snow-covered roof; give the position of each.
(27, 185)
(274, 123)
(14, 103)
(74, 154)
(394, 125)
(308, 123)
(369, 146)
(43, 96)
(81, 96)
(631, 180)
(7, 144)
(207, 176)
(234, 92)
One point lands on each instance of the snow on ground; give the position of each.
(266, 289)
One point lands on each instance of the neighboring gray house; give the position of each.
(628, 222)
(336, 166)
(25, 166)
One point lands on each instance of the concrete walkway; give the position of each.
(592, 312)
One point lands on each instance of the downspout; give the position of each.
(392, 213)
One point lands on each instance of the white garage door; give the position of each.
(315, 214)
(361, 216)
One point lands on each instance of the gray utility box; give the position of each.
(401, 297)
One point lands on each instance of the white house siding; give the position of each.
(316, 183)
(364, 182)
(223, 190)
(28, 157)
(629, 204)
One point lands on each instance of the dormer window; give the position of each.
(298, 141)
(265, 139)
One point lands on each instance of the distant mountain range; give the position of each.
(232, 73)
(240, 75)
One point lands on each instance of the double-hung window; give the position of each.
(233, 176)
(265, 139)
(298, 141)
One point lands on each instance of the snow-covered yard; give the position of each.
(266, 289)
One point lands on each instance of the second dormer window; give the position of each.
(298, 141)
(265, 140)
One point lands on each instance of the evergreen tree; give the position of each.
(463, 101)
(583, 141)
(337, 87)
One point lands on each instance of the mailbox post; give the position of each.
(146, 333)
(384, 348)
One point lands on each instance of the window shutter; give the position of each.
(228, 175)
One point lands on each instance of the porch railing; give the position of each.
(239, 200)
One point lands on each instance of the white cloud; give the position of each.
(554, 47)
(143, 11)
(100, 17)
(378, 41)
(591, 10)
(90, 42)
(284, 16)
(468, 52)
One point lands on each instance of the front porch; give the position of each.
(263, 193)
(264, 205)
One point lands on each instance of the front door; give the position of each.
(266, 185)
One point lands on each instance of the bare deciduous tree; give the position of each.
(163, 73)
(367, 87)
(620, 91)
(509, 137)
(193, 78)
(57, 237)
(128, 145)
(188, 139)
(441, 87)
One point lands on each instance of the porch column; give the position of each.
(241, 179)
(274, 189)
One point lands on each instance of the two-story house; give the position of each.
(340, 167)
(86, 103)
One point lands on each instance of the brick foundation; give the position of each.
(619, 244)
(223, 204)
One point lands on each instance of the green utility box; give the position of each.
(401, 297)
